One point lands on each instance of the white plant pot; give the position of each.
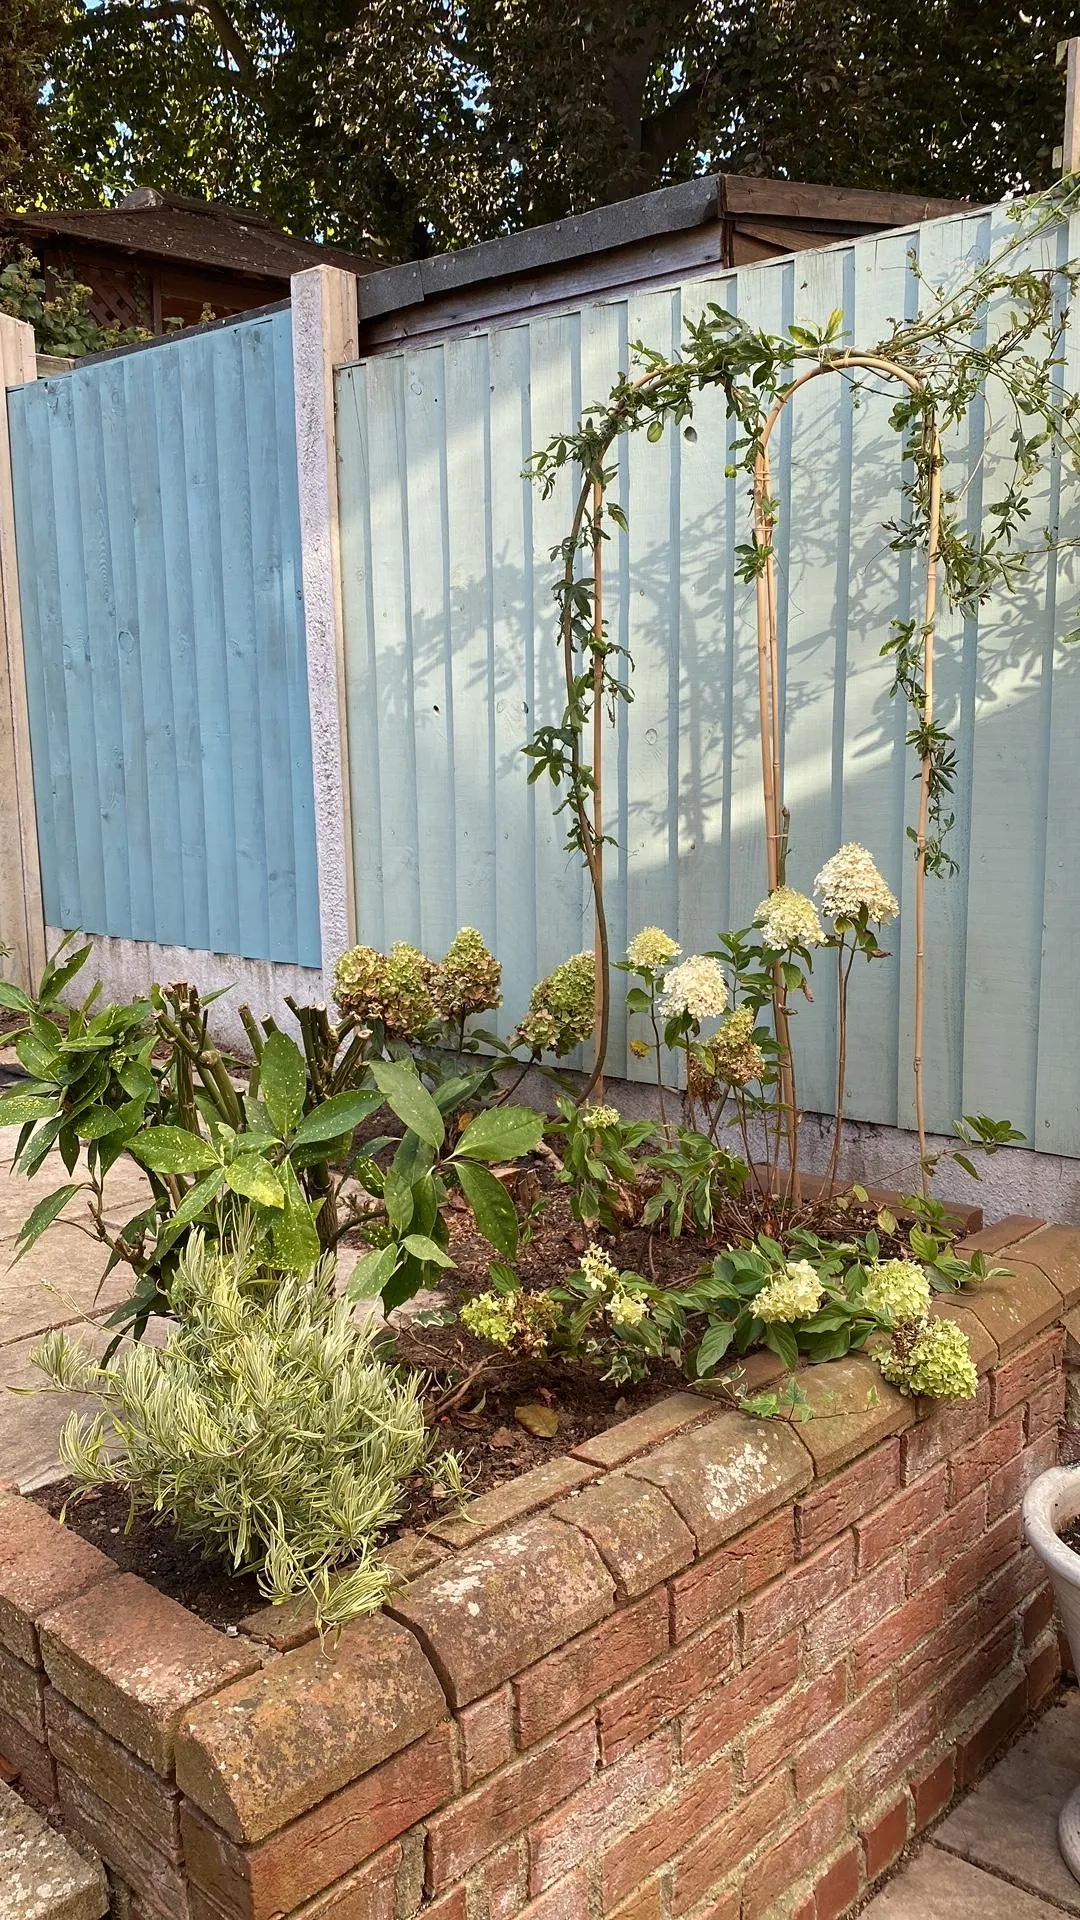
(1051, 1503)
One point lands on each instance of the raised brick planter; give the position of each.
(706, 1668)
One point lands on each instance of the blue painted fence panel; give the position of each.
(451, 662)
(158, 540)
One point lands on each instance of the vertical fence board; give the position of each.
(158, 541)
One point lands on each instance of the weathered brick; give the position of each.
(561, 1685)
(22, 1694)
(136, 1792)
(960, 1529)
(1043, 1665)
(370, 1891)
(978, 1746)
(796, 1596)
(919, 1671)
(728, 1906)
(946, 1429)
(1016, 1307)
(508, 1803)
(646, 1903)
(839, 1886)
(1006, 1489)
(833, 1629)
(292, 1624)
(648, 1429)
(1004, 1233)
(487, 1735)
(895, 1634)
(1056, 1252)
(972, 1466)
(42, 1564)
(634, 1711)
(1046, 1409)
(857, 1410)
(815, 1835)
(410, 1555)
(31, 1760)
(890, 1757)
(567, 1901)
(513, 1500)
(634, 1528)
(715, 1584)
(970, 1569)
(714, 1723)
(1038, 1615)
(848, 1734)
(1029, 1370)
(772, 1743)
(932, 1791)
(318, 1849)
(1009, 1591)
(138, 1664)
(902, 1519)
(670, 1828)
(486, 1614)
(505, 1880)
(453, 1906)
(982, 1346)
(724, 1476)
(714, 1854)
(884, 1837)
(985, 1671)
(574, 1833)
(836, 1504)
(156, 1878)
(275, 1743)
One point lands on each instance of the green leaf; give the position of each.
(502, 1133)
(371, 1272)
(251, 1177)
(173, 1150)
(283, 1081)
(294, 1235)
(493, 1209)
(17, 1108)
(402, 1089)
(398, 1200)
(423, 1248)
(13, 998)
(195, 1202)
(43, 1216)
(105, 1120)
(781, 1341)
(341, 1114)
(714, 1346)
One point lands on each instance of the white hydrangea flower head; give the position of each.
(897, 1291)
(598, 1270)
(850, 881)
(595, 1115)
(697, 987)
(933, 1357)
(652, 948)
(789, 919)
(792, 1295)
(626, 1310)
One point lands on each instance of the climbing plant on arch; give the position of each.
(998, 332)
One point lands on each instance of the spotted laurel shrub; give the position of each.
(268, 1428)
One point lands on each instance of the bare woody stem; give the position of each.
(843, 975)
(600, 945)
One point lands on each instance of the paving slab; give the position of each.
(41, 1875)
(936, 1885)
(1008, 1825)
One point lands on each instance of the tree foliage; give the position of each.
(413, 125)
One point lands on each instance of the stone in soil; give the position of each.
(41, 1875)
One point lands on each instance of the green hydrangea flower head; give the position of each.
(736, 1057)
(562, 1008)
(358, 982)
(598, 1117)
(470, 978)
(508, 1319)
(897, 1290)
(931, 1357)
(792, 1295)
(408, 992)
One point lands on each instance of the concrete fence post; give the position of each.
(325, 335)
(22, 920)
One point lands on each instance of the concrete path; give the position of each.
(57, 1284)
(996, 1856)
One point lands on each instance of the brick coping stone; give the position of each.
(702, 1667)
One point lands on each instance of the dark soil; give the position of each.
(474, 1394)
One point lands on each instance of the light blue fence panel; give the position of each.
(158, 541)
(447, 582)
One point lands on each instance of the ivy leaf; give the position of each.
(283, 1081)
(251, 1177)
(341, 1114)
(502, 1133)
(405, 1094)
(493, 1209)
(43, 1216)
(173, 1150)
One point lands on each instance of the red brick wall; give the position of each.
(705, 1669)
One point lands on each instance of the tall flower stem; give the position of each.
(597, 1083)
(843, 975)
